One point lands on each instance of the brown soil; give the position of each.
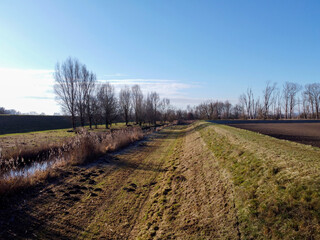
(170, 187)
(306, 133)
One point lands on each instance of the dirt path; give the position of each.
(170, 187)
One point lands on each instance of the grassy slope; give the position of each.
(277, 182)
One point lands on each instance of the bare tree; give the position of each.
(313, 93)
(154, 101)
(66, 86)
(203, 110)
(306, 109)
(108, 103)
(81, 98)
(95, 110)
(90, 86)
(227, 109)
(164, 107)
(290, 91)
(245, 103)
(137, 103)
(285, 94)
(268, 98)
(247, 100)
(236, 111)
(86, 85)
(125, 103)
(294, 89)
(277, 105)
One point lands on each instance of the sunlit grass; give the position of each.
(277, 182)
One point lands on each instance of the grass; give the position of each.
(85, 146)
(35, 139)
(197, 181)
(277, 182)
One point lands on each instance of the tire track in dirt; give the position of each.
(64, 210)
(125, 208)
(229, 187)
(153, 181)
(194, 200)
(141, 224)
(212, 193)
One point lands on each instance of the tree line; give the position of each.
(9, 111)
(287, 102)
(82, 97)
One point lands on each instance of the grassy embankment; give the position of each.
(276, 182)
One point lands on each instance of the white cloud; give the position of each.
(176, 91)
(115, 75)
(182, 102)
(166, 88)
(27, 90)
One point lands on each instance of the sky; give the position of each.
(188, 51)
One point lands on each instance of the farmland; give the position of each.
(306, 132)
(25, 123)
(197, 181)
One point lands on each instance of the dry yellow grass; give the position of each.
(86, 146)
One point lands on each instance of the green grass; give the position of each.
(277, 182)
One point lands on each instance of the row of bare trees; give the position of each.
(290, 101)
(131, 105)
(83, 98)
(73, 88)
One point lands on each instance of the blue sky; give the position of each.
(189, 50)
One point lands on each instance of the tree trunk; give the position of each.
(107, 124)
(73, 120)
(90, 122)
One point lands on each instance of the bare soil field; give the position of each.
(302, 132)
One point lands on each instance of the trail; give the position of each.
(169, 187)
